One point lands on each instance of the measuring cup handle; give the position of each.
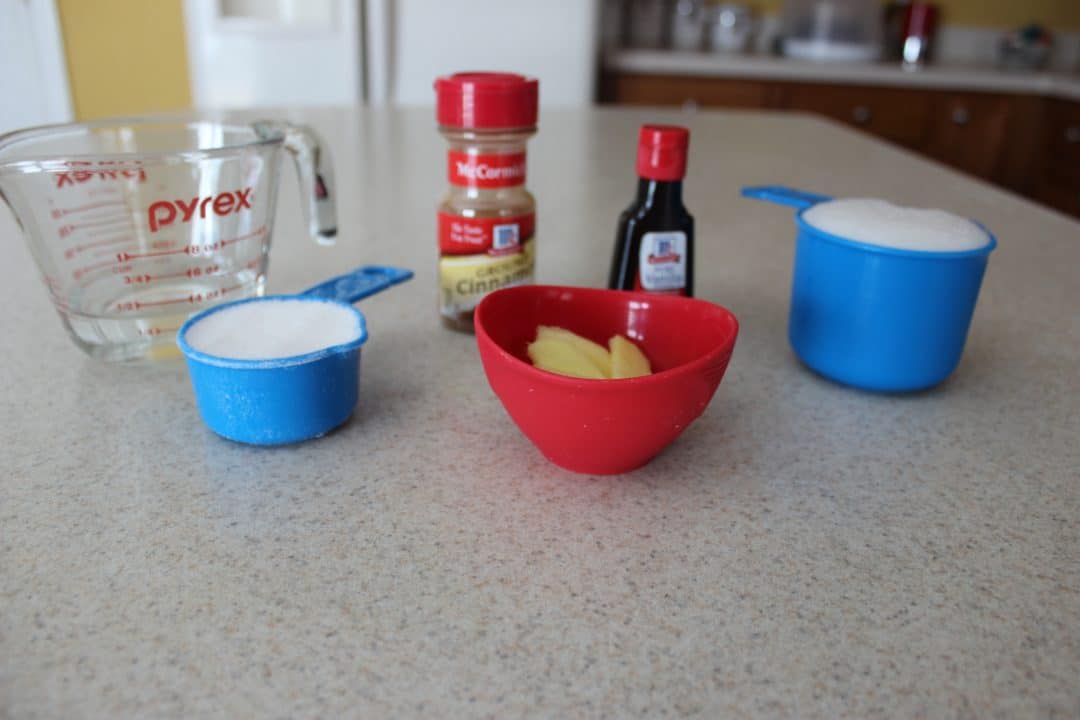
(784, 196)
(316, 178)
(359, 283)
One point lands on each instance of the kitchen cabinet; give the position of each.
(899, 115)
(968, 131)
(688, 91)
(1026, 143)
(1057, 177)
(1063, 140)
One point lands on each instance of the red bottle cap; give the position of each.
(920, 19)
(486, 100)
(661, 152)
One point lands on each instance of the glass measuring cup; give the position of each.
(135, 225)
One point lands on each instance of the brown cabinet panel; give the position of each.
(678, 90)
(1063, 141)
(1057, 181)
(969, 131)
(895, 114)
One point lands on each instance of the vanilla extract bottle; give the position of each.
(654, 243)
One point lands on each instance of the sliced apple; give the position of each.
(557, 355)
(597, 353)
(627, 360)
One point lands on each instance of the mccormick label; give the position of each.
(485, 171)
(662, 262)
(479, 255)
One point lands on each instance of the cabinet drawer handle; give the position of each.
(961, 116)
(1072, 134)
(861, 114)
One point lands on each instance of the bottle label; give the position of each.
(496, 236)
(662, 262)
(479, 255)
(485, 171)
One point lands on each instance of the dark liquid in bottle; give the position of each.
(658, 223)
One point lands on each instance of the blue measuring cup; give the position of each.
(287, 399)
(873, 317)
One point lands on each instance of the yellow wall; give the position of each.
(1058, 15)
(125, 57)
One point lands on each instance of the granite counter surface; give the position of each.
(803, 549)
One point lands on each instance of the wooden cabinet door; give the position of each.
(1058, 182)
(969, 131)
(1063, 141)
(629, 89)
(895, 114)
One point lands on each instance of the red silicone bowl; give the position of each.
(604, 427)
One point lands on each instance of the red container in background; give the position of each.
(920, 24)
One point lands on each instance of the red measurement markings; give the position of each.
(164, 248)
(61, 212)
(155, 331)
(106, 230)
(191, 272)
(74, 250)
(192, 299)
(133, 305)
(66, 230)
(203, 249)
(86, 269)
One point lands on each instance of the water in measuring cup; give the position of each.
(123, 293)
(115, 334)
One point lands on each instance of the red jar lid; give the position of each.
(486, 100)
(661, 153)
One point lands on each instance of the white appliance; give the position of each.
(258, 53)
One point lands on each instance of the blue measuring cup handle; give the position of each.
(784, 196)
(359, 284)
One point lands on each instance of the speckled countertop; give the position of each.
(803, 549)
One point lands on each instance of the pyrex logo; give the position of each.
(102, 170)
(165, 212)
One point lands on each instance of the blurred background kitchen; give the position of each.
(990, 87)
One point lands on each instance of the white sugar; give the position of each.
(878, 222)
(271, 329)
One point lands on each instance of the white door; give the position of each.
(411, 42)
(33, 72)
(261, 53)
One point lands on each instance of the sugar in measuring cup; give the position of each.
(137, 224)
(882, 296)
(282, 368)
